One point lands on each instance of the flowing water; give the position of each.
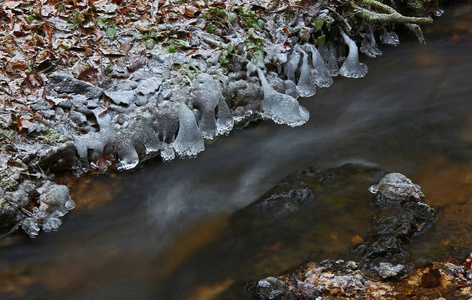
(152, 233)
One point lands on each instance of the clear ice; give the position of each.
(291, 65)
(215, 115)
(331, 61)
(281, 108)
(369, 46)
(189, 141)
(54, 202)
(389, 38)
(351, 67)
(319, 73)
(306, 86)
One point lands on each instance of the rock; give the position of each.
(63, 82)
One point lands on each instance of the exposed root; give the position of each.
(390, 15)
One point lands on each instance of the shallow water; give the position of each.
(145, 234)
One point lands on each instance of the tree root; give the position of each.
(390, 16)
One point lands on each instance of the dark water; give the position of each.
(145, 234)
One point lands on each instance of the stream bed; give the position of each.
(156, 233)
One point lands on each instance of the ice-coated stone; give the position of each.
(121, 97)
(291, 65)
(369, 46)
(281, 108)
(387, 270)
(54, 202)
(63, 82)
(189, 141)
(351, 67)
(306, 87)
(319, 72)
(149, 85)
(389, 38)
(397, 186)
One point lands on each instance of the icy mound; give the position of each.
(281, 108)
(54, 203)
(215, 116)
(352, 68)
(189, 141)
(306, 86)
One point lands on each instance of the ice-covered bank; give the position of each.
(122, 83)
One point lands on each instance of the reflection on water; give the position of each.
(411, 114)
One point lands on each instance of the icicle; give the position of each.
(306, 86)
(331, 61)
(319, 73)
(189, 141)
(127, 155)
(224, 119)
(351, 67)
(206, 99)
(292, 64)
(369, 46)
(282, 109)
(389, 38)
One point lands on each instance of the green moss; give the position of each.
(50, 136)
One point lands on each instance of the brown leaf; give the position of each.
(191, 52)
(190, 11)
(286, 30)
(87, 73)
(19, 123)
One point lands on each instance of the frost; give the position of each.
(319, 73)
(292, 65)
(351, 67)
(189, 141)
(281, 108)
(369, 46)
(215, 117)
(306, 86)
(389, 38)
(121, 97)
(54, 202)
(387, 270)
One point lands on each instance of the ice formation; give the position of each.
(54, 202)
(389, 38)
(351, 67)
(189, 141)
(306, 85)
(397, 186)
(331, 61)
(281, 108)
(291, 65)
(319, 73)
(215, 115)
(369, 46)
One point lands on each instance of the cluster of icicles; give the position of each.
(178, 129)
(313, 70)
(174, 129)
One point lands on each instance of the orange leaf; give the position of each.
(191, 52)
(20, 124)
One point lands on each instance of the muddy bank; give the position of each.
(100, 87)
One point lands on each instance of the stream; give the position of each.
(153, 233)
